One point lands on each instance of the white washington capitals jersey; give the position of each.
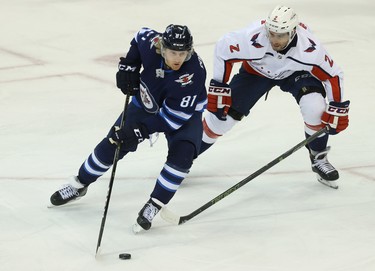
(252, 47)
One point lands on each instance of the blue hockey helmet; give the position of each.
(177, 38)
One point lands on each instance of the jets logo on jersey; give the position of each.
(312, 47)
(185, 79)
(255, 43)
(147, 99)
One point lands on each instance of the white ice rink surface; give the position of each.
(58, 98)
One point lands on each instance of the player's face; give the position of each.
(278, 40)
(175, 59)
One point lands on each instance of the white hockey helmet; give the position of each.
(282, 19)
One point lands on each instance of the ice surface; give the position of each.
(58, 61)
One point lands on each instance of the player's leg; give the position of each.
(97, 163)
(183, 146)
(310, 95)
(312, 107)
(247, 89)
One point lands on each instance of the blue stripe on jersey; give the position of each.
(178, 114)
(171, 123)
(170, 178)
(93, 166)
(174, 118)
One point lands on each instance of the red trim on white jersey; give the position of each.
(314, 127)
(333, 81)
(208, 131)
(252, 46)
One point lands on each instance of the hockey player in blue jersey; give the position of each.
(169, 96)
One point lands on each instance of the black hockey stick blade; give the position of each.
(175, 219)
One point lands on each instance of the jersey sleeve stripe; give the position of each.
(171, 124)
(178, 114)
(201, 106)
(334, 81)
(228, 68)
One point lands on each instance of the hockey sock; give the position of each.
(204, 147)
(179, 160)
(318, 144)
(167, 183)
(98, 162)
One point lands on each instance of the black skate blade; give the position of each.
(330, 184)
(50, 205)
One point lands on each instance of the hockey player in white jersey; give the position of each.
(278, 51)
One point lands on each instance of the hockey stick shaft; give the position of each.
(174, 219)
(114, 166)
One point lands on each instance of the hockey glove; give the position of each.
(336, 117)
(128, 77)
(130, 136)
(219, 97)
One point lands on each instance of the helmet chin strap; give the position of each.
(292, 34)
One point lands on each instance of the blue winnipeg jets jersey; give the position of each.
(171, 97)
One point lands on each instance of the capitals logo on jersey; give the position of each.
(255, 42)
(312, 46)
(185, 79)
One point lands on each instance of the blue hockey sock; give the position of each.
(204, 147)
(168, 182)
(319, 144)
(179, 161)
(98, 162)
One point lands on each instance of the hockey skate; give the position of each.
(146, 215)
(72, 191)
(326, 173)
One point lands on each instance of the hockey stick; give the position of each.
(114, 166)
(173, 218)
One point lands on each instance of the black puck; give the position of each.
(124, 256)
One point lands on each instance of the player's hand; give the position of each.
(336, 117)
(130, 136)
(128, 77)
(219, 96)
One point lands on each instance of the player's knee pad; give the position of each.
(312, 107)
(311, 89)
(214, 127)
(181, 155)
(105, 151)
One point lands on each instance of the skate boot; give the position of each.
(146, 215)
(71, 191)
(326, 173)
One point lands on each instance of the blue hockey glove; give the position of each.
(128, 77)
(130, 136)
